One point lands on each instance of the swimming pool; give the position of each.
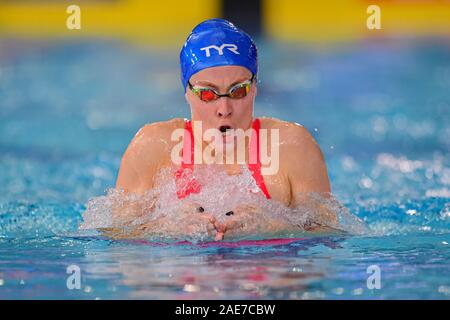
(379, 110)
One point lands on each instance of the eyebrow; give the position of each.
(209, 84)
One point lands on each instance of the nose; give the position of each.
(224, 108)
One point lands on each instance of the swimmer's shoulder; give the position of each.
(154, 139)
(271, 122)
(161, 129)
(148, 152)
(158, 134)
(295, 140)
(289, 131)
(301, 158)
(152, 143)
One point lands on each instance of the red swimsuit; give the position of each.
(186, 183)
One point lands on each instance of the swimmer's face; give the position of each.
(225, 111)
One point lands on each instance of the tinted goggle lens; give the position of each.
(208, 95)
(240, 91)
(237, 92)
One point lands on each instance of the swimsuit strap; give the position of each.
(255, 166)
(184, 179)
(188, 146)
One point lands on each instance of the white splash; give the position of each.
(160, 214)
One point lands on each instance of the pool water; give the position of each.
(380, 112)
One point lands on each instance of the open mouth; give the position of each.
(224, 129)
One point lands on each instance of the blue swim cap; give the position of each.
(216, 42)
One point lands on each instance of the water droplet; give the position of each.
(444, 289)
(366, 183)
(87, 289)
(357, 291)
(338, 291)
(191, 288)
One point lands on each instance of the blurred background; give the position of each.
(377, 101)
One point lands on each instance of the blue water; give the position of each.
(380, 112)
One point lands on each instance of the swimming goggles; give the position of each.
(236, 92)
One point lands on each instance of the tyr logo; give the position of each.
(232, 47)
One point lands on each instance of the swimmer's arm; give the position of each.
(189, 222)
(140, 161)
(138, 169)
(308, 176)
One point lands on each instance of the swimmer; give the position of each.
(219, 72)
